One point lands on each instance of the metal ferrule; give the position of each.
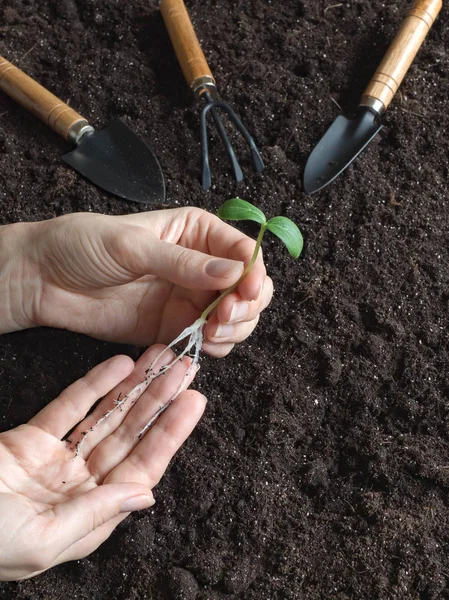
(78, 129)
(373, 104)
(204, 84)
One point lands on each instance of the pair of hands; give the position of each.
(137, 279)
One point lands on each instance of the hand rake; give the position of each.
(201, 81)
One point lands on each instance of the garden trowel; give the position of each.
(346, 138)
(115, 158)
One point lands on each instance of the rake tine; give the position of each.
(205, 170)
(238, 174)
(257, 158)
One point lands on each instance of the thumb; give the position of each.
(74, 519)
(144, 254)
(193, 269)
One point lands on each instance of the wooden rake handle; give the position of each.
(187, 47)
(400, 55)
(35, 98)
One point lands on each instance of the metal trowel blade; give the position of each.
(341, 144)
(118, 161)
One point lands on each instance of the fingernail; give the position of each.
(258, 294)
(221, 267)
(224, 331)
(137, 503)
(239, 311)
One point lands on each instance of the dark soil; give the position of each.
(321, 467)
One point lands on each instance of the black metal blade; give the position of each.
(340, 145)
(118, 161)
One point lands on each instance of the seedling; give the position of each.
(232, 210)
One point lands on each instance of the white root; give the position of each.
(194, 336)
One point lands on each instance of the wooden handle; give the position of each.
(35, 98)
(400, 55)
(187, 47)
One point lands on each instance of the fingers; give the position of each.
(194, 270)
(149, 460)
(120, 443)
(147, 463)
(234, 309)
(138, 253)
(72, 405)
(237, 333)
(253, 283)
(235, 319)
(97, 433)
(217, 350)
(67, 523)
(199, 230)
(225, 240)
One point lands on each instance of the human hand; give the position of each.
(54, 508)
(140, 278)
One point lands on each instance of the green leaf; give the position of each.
(240, 210)
(288, 232)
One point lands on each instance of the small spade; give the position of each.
(114, 158)
(346, 138)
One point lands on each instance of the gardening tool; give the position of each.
(346, 138)
(114, 158)
(201, 81)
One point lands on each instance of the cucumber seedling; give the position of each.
(232, 210)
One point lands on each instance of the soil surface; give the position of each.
(321, 467)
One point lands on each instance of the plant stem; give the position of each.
(250, 265)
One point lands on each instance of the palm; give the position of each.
(37, 469)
